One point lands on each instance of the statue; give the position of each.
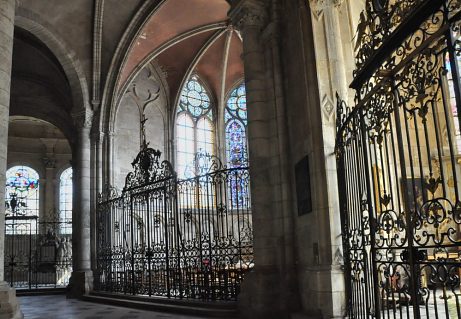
(68, 256)
(61, 252)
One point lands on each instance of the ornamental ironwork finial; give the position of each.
(144, 143)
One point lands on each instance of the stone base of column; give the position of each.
(9, 305)
(323, 291)
(81, 283)
(265, 293)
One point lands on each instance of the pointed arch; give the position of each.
(195, 125)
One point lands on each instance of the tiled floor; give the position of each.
(58, 307)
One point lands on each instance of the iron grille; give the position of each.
(38, 254)
(175, 238)
(399, 155)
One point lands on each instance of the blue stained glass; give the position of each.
(237, 105)
(236, 144)
(231, 103)
(238, 193)
(195, 99)
(241, 90)
(235, 117)
(22, 184)
(242, 103)
(22, 179)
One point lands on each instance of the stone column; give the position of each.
(110, 164)
(51, 212)
(9, 307)
(326, 281)
(97, 162)
(82, 277)
(264, 293)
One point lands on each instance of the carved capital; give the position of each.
(317, 6)
(49, 162)
(83, 119)
(249, 13)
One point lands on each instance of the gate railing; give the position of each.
(399, 155)
(175, 238)
(38, 253)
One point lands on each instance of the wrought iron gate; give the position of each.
(399, 155)
(38, 254)
(175, 238)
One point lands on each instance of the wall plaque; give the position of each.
(303, 186)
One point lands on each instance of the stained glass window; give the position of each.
(235, 117)
(65, 201)
(194, 126)
(21, 198)
(236, 126)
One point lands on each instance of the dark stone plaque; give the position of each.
(303, 186)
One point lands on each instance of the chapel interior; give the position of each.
(254, 159)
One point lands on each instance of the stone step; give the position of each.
(303, 316)
(40, 291)
(227, 310)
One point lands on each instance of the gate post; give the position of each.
(8, 304)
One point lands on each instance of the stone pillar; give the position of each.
(97, 162)
(51, 212)
(9, 307)
(82, 276)
(264, 292)
(110, 164)
(323, 37)
(328, 11)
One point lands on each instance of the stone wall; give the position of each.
(144, 97)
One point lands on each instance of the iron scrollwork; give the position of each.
(398, 152)
(176, 238)
(148, 169)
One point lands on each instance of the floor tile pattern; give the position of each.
(58, 307)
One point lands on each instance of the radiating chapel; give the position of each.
(259, 159)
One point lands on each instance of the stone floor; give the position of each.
(58, 307)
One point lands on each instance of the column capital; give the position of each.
(249, 13)
(49, 162)
(317, 6)
(83, 119)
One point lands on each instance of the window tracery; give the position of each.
(236, 121)
(194, 126)
(236, 126)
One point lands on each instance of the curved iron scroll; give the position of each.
(175, 238)
(148, 169)
(399, 163)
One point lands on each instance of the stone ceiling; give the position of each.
(185, 37)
